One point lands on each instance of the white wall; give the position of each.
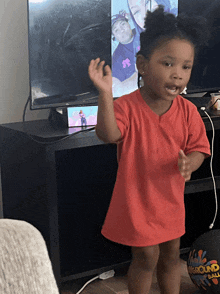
(14, 72)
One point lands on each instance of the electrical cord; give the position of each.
(90, 281)
(59, 140)
(103, 276)
(25, 107)
(56, 141)
(212, 104)
(211, 165)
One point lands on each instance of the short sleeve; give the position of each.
(197, 136)
(121, 114)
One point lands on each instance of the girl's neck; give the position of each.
(159, 106)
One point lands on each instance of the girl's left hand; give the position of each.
(184, 166)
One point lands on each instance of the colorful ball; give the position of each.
(204, 262)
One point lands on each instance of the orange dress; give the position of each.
(147, 204)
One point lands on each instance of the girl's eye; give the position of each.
(187, 67)
(169, 64)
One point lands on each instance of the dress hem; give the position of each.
(144, 244)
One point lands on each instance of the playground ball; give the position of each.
(204, 262)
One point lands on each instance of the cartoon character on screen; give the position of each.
(139, 8)
(124, 57)
(83, 118)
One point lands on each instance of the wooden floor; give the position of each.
(118, 284)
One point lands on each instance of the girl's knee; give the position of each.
(170, 251)
(146, 257)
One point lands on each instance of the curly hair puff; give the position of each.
(161, 26)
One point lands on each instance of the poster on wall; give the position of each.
(127, 22)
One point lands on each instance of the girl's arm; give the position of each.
(106, 128)
(189, 163)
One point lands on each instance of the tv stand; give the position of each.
(58, 118)
(63, 188)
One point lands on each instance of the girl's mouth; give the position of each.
(172, 89)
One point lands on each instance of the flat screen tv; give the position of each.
(65, 35)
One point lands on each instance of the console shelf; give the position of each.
(63, 187)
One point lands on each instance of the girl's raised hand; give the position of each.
(100, 76)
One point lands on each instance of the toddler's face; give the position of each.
(122, 31)
(168, 70)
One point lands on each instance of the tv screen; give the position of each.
(206, 70)
(65, 35)
(82, 116)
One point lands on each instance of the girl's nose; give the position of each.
(177, 74)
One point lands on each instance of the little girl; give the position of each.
(161, 140)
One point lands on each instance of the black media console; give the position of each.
(64, 187)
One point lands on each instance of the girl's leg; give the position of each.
(141, 269)
(169, 267)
